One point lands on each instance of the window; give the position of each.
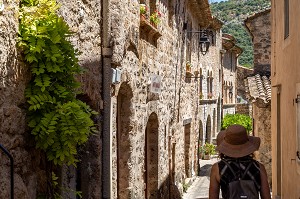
(212, 38)
(170, 12)
(231, 61)
(225, 92)
(201, 81)
(207, 84)
(211, 82)
(286, 19)
(230, 92)
(152, 6)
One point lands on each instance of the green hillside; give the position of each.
(233, 13)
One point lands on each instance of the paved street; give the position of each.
(199, 188)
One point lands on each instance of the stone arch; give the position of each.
(124, 116)
(151, 157)
(200, 143)
(208, 130)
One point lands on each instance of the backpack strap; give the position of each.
(247, 169)
(231, 169)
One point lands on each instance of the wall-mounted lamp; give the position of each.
(204, 42)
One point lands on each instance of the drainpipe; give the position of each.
(106, 89)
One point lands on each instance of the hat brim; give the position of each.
(237, 151)
(220, 137)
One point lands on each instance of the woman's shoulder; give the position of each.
(214, 172)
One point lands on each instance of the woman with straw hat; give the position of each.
(236, 150)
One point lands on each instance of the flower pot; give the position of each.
(153, 24)
(143, 17)
(206, 157)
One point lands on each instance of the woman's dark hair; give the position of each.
(222, 156)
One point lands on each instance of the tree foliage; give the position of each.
(240, 119)
(233, 13)
(58, 120)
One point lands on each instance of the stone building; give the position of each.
(259, 27)
(154, 111)
(243, 106)
(285, 107)
(258, 85)
(230, 63)
(167, 101)
(85, 19)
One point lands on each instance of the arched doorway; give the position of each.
(200, 143)
(124, 114)
(208, 130)
(187, 141)
(151, 157)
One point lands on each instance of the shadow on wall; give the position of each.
(168, 190)
(91, 82)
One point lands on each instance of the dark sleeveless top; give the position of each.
(239, 165)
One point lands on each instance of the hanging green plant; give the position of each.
(58, 120)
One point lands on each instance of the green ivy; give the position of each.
(59, 121)
(241, 119)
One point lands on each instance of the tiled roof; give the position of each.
(258, 87)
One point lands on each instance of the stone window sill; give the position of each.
(149, 28)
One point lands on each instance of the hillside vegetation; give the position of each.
(233, 13)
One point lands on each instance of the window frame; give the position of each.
(286, 19)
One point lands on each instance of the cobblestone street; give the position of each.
(199, 188)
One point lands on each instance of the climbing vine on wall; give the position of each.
(59, 121)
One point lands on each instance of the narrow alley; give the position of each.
(115, 99)
(199, 187)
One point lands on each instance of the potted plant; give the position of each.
(209, 149)
(143, 11)
(155, 18)
(201, 151)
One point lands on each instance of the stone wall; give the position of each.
(262, 129)
(243, 106)
(29, 173)
(229, 82)
(242, 73)
(243, 109)
(30, 165)
(229, 76)
(157, 135)
(259, 26)
(84, 18)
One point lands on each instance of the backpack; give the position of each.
(240, 188)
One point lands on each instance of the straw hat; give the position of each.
(236, 143)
